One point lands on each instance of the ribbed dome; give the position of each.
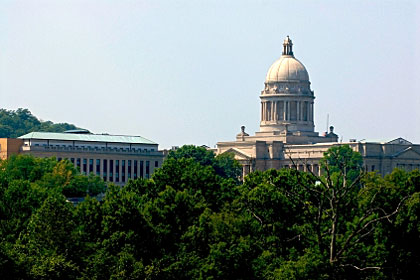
(287, 68)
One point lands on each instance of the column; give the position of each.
(272, 110)
(298, 118)
(307, 108)
(101, 168)
(288, 110)
(284, 110)
(114, 170)
(276, 117)
(132, 168)
(262, 111)
(107, 169)
(311, 110)
(126, 171)
(265, 111)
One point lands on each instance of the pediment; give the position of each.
(408, 153)
(400, 141)
(239, 155)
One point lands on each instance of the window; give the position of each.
(305, 110)
(135, 169)
(147, 169)
(78, 164)
(59, 159)
(117, 171)
(293, 110)
(123, 171)
(84, 166)
(105, 169)
(316, 169)
(280, 110)
(129, 169)
(156, 164)
(98, 167)
(90, 165)
(373, 168)
(72, 160)
(141, 168)
(111, 170)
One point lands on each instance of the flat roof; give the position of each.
(87, 137)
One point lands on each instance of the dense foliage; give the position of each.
(20, 122)
(194, 220)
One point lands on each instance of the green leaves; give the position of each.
(17, 123)
(224, 164)
(194, 220)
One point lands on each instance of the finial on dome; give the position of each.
(287, 46)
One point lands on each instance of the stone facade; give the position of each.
(263, 155)
(287, 137)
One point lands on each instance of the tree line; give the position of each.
(195, 220)
(15, 123)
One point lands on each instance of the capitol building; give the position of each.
(287, 136)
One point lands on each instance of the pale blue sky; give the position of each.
(190, 72)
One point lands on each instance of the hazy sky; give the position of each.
(191, 72)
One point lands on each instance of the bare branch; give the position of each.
(256, 217)
(294, 237)
(359, 268)
(362, 228)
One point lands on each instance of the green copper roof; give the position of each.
(87, 137)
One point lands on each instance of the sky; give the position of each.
(191, 72)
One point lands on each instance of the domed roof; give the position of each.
(287, 67)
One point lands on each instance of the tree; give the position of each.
(189, 221)
(347, 205)
(224, 164)
(21, 121)
(48, 244)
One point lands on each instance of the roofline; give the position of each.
(89, 141)
(86, 140)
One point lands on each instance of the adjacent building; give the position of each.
(115, 158)
(287, 136)
(9, 146)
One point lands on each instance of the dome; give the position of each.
(287, 68)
